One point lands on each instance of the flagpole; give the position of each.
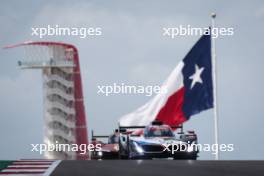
(213, 16)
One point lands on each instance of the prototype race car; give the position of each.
(109, 150)
(156, 141)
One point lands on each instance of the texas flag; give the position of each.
(189, 90)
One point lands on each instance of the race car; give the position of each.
(109, 149)
(156, 141)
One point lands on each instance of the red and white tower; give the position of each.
(64, 113)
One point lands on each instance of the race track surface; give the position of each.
(159, 167)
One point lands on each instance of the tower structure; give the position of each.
(64, 112)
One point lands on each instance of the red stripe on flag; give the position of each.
(171, 113)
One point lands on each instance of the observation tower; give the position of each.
(64, 112)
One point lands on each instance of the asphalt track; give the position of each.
(159, 167)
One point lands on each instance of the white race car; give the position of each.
(156, 141)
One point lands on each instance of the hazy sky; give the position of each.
(132, 50)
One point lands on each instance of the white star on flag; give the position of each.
(196, 77)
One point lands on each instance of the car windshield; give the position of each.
(113, 139)
(158, 131)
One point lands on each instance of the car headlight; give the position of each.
(100, 153)
(138, 148)
(190, 148)
(116, 147)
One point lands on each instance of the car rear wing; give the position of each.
(94, 137)
(123, 129)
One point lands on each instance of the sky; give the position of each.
(132, 50)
